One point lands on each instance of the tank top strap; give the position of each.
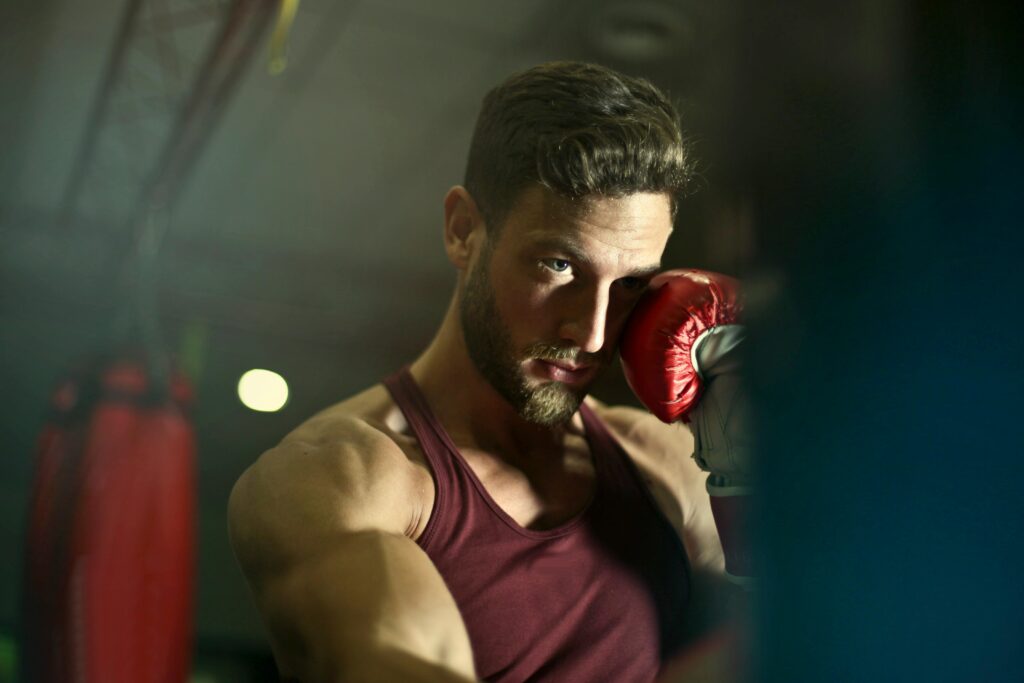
(429, 433)
(617, 472)
(608, 458)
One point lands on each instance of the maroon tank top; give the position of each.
(599, 598)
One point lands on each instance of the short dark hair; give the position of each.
(577, 129)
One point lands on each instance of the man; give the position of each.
(477, 515)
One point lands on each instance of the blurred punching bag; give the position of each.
(110, 559)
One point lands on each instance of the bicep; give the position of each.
(302, 492)
(373, 600)
(320, 541)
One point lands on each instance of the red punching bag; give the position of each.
(110, 557)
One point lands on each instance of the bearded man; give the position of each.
(477, 515)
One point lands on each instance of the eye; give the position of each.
(633, 283)
(558, 265)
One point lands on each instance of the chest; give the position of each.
(540, 490)
(541, 493)
(600, 597)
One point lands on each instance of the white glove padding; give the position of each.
(720, 422)
(712, 351)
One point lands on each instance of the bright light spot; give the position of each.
(263, 390)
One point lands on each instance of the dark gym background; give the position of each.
(860, 168)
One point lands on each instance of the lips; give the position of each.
(564, 371)
(568, 365)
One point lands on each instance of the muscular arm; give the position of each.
(320, 528)
(663, 454)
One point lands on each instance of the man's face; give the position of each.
(544, 304)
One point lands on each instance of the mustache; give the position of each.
(543, 351)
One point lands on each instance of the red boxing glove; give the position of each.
(677, 356)
(678, 335)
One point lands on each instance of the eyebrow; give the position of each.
(646, 271)
(565, 244)
(574, 249)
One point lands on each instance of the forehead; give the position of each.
(636, 224)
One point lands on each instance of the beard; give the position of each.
(489, 343)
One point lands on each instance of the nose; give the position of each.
(585, 326)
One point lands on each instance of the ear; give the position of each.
(464, 228)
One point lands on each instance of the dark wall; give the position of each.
(885, 167)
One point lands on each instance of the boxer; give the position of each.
(476, 515)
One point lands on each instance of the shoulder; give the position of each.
(644, 435)
(660, 451)
(343, 470)
(320, 526)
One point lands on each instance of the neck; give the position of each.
(471, 410)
